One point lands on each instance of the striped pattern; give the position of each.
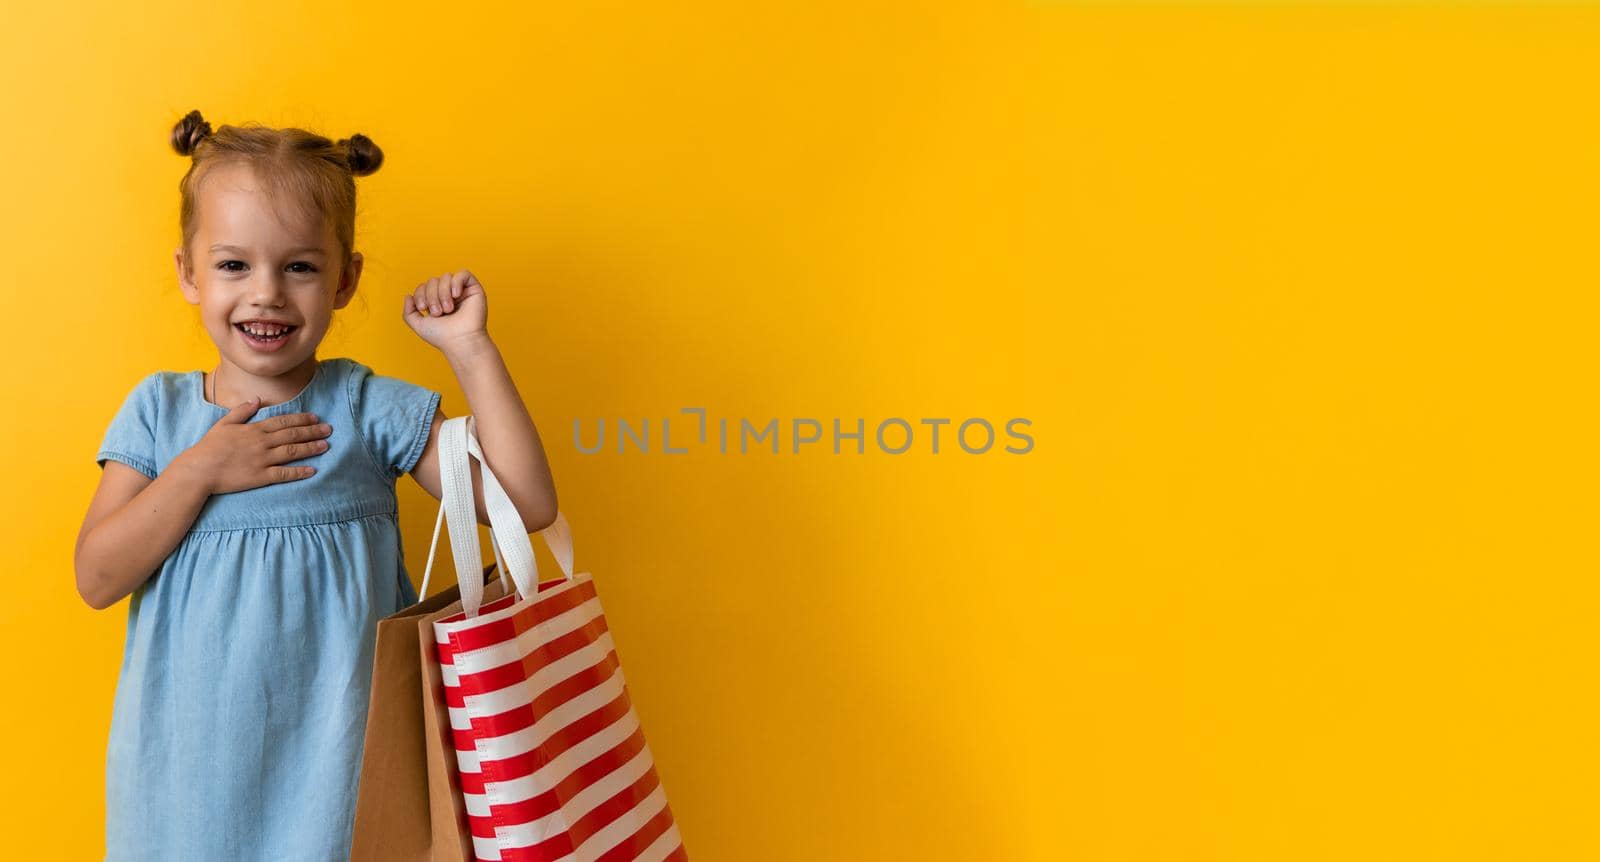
(553, 763)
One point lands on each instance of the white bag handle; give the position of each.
(458, 443)
(499, 564)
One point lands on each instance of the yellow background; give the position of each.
(1298, 299)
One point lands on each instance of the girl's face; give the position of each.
(249, 266)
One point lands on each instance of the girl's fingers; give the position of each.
(438, 295)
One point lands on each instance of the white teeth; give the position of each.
(263, 331)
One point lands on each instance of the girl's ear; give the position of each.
(347, 281)
(185, 281)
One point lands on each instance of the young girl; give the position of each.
(250, 512)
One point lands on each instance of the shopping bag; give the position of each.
(452, 753)
(538, 706)
(394, 793)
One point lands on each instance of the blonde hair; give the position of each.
(311, 173)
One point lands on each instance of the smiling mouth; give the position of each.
(283, 332)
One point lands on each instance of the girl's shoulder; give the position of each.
(369, 390)
(158, 388)
(393, 416)
(145, 422)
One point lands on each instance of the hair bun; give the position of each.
(189, 132)
(362, 154)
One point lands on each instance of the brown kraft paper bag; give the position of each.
(408, 808)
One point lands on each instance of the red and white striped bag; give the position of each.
(553, 762)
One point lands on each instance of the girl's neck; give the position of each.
(230, 385)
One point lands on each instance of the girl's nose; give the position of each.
(267, 289)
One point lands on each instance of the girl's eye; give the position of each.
(228, 266)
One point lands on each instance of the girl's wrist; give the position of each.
(467, 346)
(186, 472)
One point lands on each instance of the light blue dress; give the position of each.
(241, 707)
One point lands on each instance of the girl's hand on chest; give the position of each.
(237, 454)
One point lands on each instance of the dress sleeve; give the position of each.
(131, 436)
(393, 417)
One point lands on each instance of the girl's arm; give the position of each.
(505, 431)
(133, 523)
(451, 313)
